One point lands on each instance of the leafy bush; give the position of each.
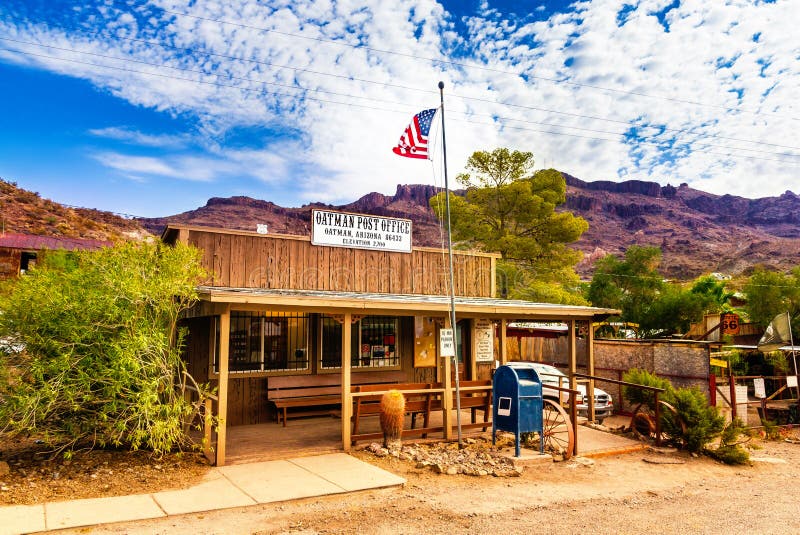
(101, 359)
(730, 450)
(637, 396)
(694, 423)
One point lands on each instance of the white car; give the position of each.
(603, 404)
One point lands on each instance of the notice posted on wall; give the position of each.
(360, 231)
(484, 340)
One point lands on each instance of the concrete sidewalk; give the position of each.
(223, 488)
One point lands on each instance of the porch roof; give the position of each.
(333, 301)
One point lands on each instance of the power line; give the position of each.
(421, 90)
(247, 79)
(469, 65)
(617, 133)
(618, 121)
(663, 279)
(383, 84)
(205, 82)
(638, 141)
(196, 71)
(120, 214)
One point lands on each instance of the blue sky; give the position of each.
(150, 107)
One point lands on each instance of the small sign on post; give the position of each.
(759, 388)
(730, 323)
(447, 344)
(484, 340)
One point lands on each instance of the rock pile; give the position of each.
(476, 458)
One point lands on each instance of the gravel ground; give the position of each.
(29, 476)
(646, 493)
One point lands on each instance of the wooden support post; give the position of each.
(712, 388)
(347, 397)
(503, 342)
(658, 418)
(208, 451)
(590, 368)
(473, 365)
(447, 400)
(733, 395)
(222, 404)
(573, 381)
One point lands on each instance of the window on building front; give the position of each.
(275, 341)
(373, 343)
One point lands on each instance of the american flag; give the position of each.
(414, 141)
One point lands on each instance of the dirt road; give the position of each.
(622, 494)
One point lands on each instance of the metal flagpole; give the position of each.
(791, 341)
(450, 254)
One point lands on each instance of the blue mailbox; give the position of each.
(517, 396)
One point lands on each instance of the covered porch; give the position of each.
(479, 357)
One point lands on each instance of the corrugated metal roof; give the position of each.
(411, 302)
(37, 243)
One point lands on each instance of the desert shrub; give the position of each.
(637, 396)
(730, 450)
(100, 358)
(773, 431)
(694, 423)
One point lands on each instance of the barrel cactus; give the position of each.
(393, 409)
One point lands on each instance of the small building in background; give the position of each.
(20, 252)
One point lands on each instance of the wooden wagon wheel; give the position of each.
(558, 436)
(643, 422)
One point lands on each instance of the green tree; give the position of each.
(658, 308)
(630, 285)
(511, 210)
(100, 352)
(770, 293)
(715, 295)
(673, 310)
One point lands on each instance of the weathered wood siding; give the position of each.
(289, 263)
(197, 347)
(10, 260)
(247, 401)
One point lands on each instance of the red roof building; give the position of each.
(18, 252)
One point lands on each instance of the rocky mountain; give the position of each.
(244, 213)
(698, 232)
(25, 212)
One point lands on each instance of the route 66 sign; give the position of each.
(730, 323)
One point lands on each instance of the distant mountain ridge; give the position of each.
(25, 212)
(698, 232)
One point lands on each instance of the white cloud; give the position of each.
(135, 137)
(181, 167)
(335, 152)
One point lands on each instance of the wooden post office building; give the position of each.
(293, 326)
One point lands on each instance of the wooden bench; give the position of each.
(476, 400)
(311, 393)
(477, 396)
(416, 403)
